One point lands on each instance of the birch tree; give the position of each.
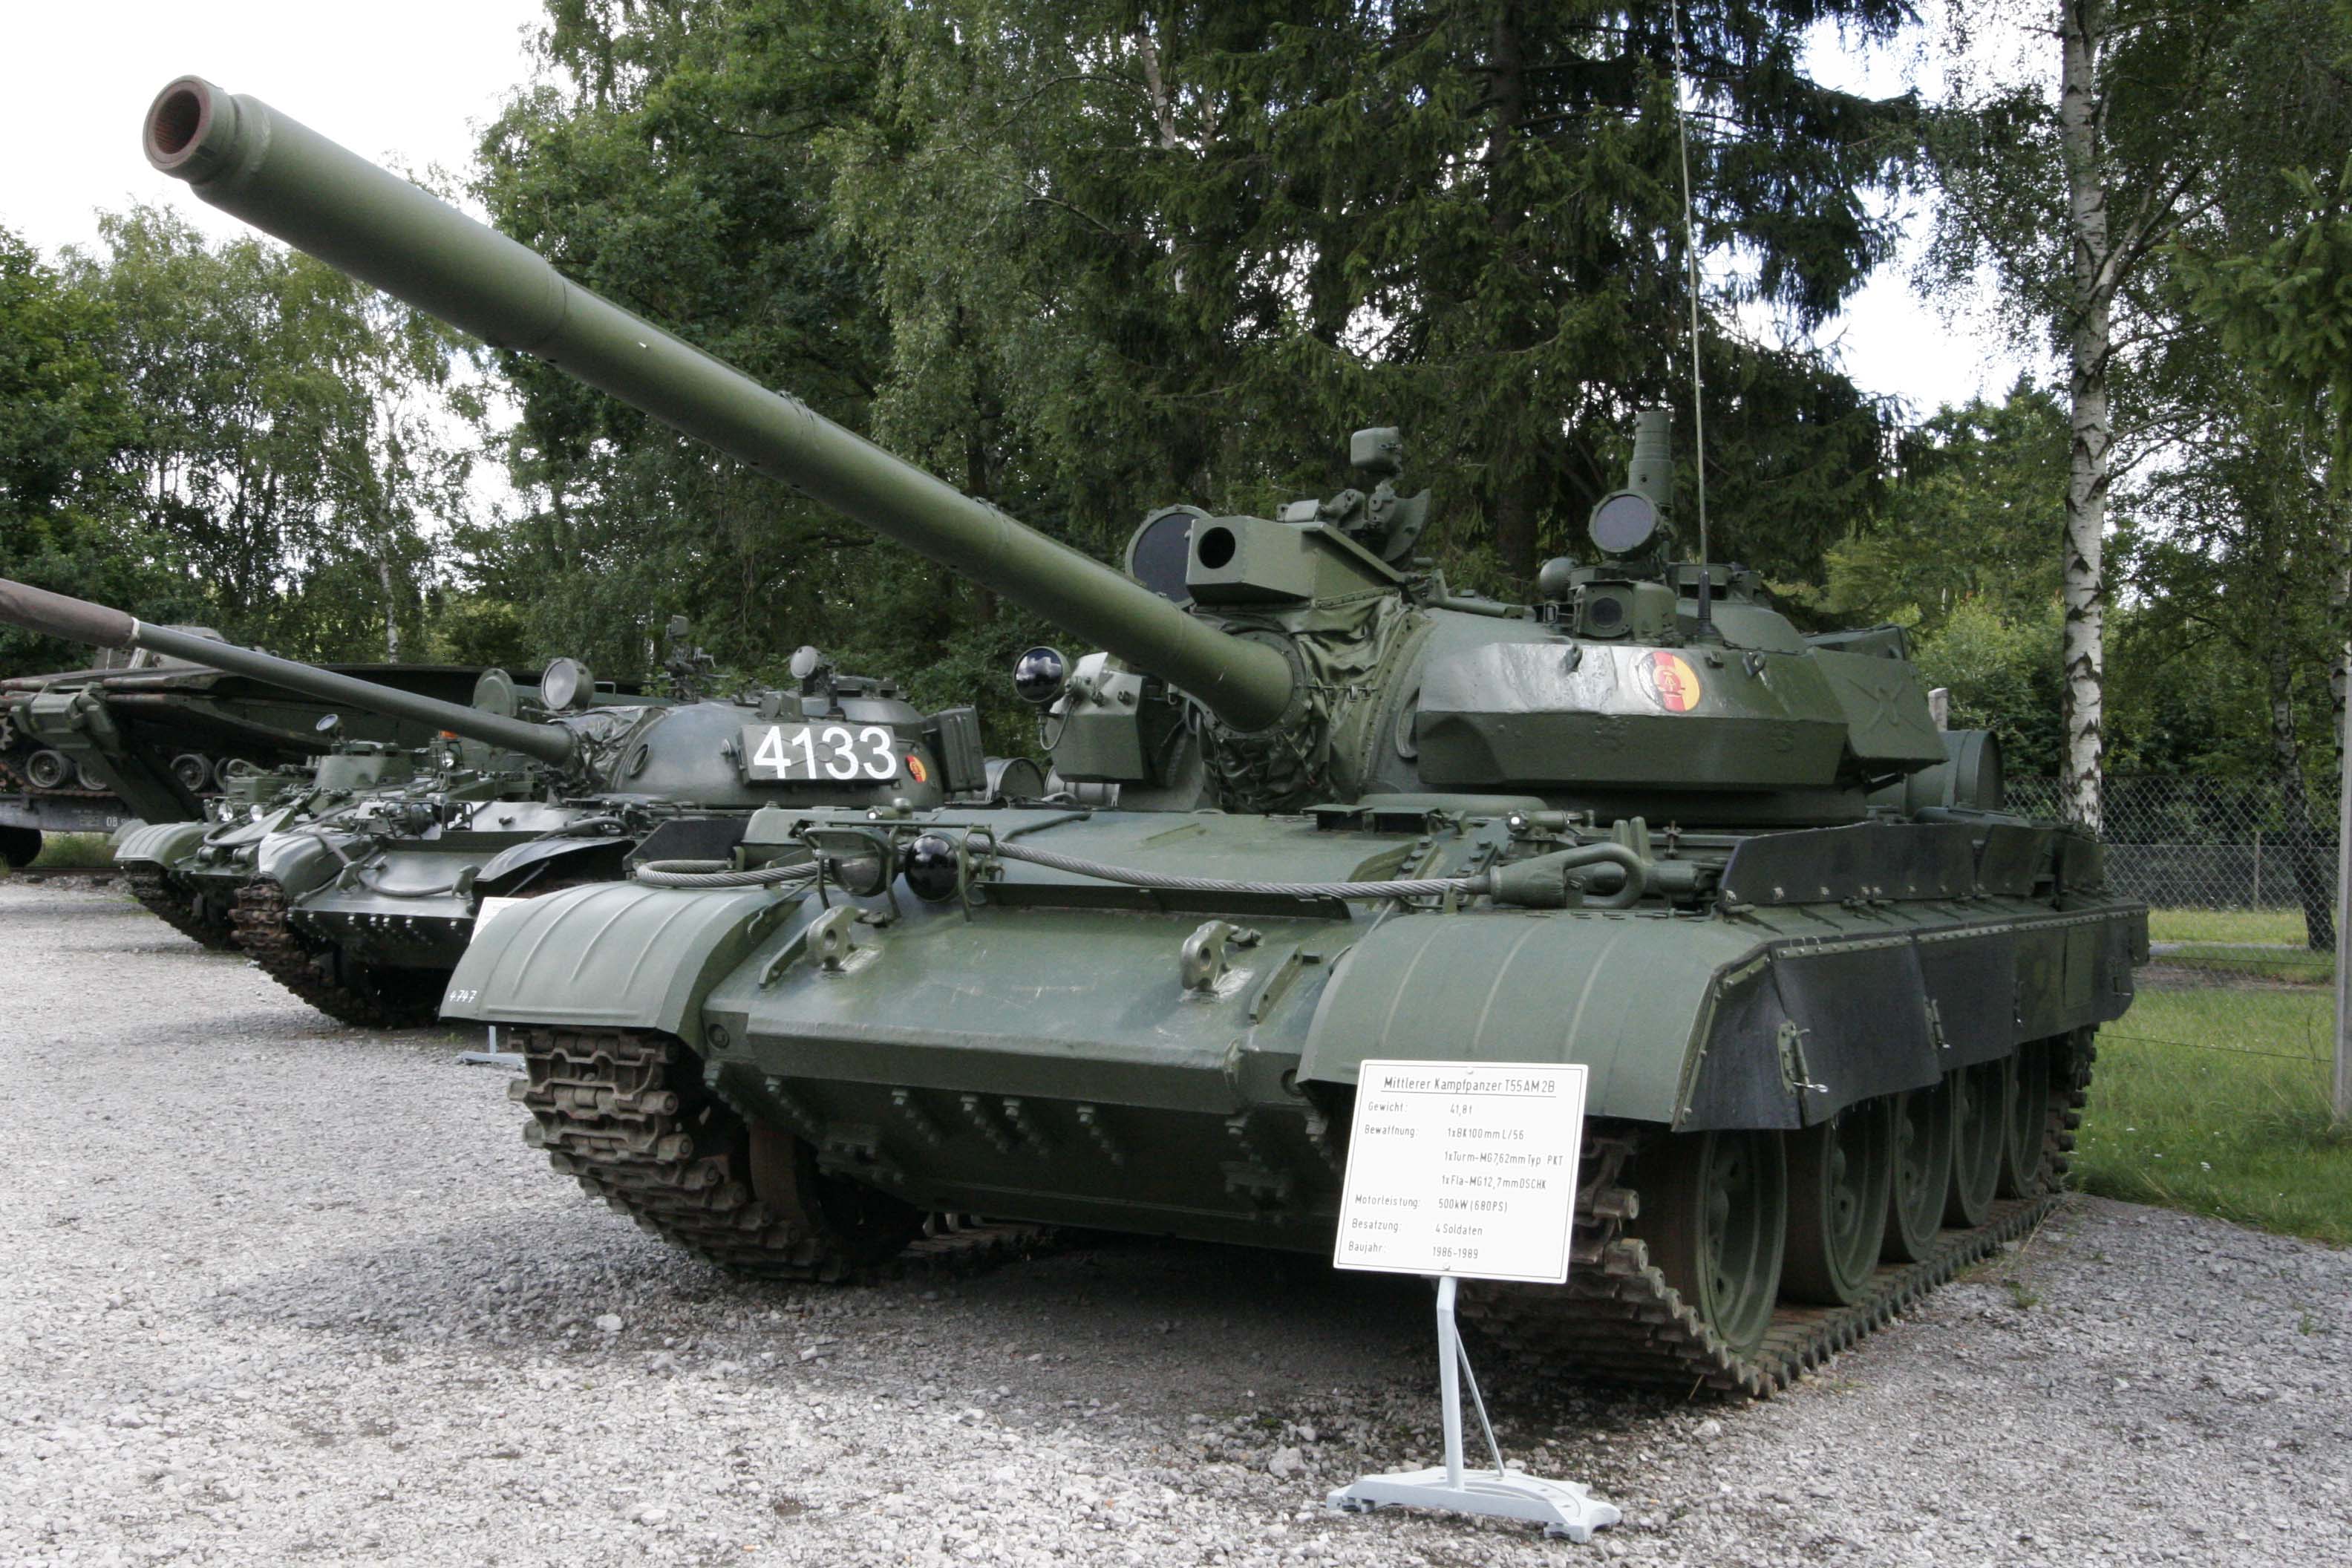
(2069, 187)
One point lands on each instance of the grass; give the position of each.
(2215, 1101)
(2287, 966)
(2284, 927)
(2262, 944)
(65, 850)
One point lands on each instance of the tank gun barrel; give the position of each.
(79, 620)
(248, 159)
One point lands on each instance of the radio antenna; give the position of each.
(1690, 255)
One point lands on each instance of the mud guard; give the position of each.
(538, 851)
(158, 843)
(1623, 996)
(298, 862)
(641, 958)
(1700, 1024)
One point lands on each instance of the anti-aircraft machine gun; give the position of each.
(1836, 1007)
(358, 881)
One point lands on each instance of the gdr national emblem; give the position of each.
(1670, 680)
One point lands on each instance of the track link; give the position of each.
(167, 898)
(625, 1113)
(1618, 1319)
(372, 998)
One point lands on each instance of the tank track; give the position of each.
(624, 1112)
(153, 890)
(264, 931)
(1618, 1319)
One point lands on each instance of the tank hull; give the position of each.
(1046, 1054)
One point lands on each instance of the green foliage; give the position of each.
(473, 628)
(1962, 551)
(288, 461)
(69, 851)
(1971, 517)
(1175, 254)
(64, 414)
(665, 160)
(2003, 676)
(2285, 308)
(2269, 271)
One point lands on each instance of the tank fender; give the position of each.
(538, 851)
(611, 955)
(298, 862)
(1705, 1024)
(1625, 997)
(159, 843)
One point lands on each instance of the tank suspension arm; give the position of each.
(77, 620)
(247, 159)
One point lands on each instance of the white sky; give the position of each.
(404, 84)
(411, 84)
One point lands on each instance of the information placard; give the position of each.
(1463, 1168)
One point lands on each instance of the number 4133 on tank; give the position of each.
(793, 752)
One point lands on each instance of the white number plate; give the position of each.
(831, 754)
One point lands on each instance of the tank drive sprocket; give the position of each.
(626, 1113)
(1618, 1319)
(371, 995)
(182, 908)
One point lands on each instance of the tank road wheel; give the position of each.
(1980, 1096)
(1840, 1173)
(628, 1114)
(862, 1226)
(1923, 1173)
(1715, 1215)
(2025, 1152)
(19, 846)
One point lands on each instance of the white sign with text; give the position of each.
(1463, 1168)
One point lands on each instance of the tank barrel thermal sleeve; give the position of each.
(247, 159)
(56, 614)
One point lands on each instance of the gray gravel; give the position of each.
(277, 1290)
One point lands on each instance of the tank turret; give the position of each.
(79, 620)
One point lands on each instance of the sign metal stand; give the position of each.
(1467, 1164)
(1562, 1508)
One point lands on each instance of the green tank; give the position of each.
(144, 738)
(1836, 1006)
(357, 882)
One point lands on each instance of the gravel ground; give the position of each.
(277, 1290)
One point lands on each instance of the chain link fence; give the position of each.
(2240, 879)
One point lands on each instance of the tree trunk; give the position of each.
(2314, 865)
(1163, 109)
(391, 610)
(2084, 28)
(1512, 510)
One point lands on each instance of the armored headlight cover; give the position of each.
(859, 862)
